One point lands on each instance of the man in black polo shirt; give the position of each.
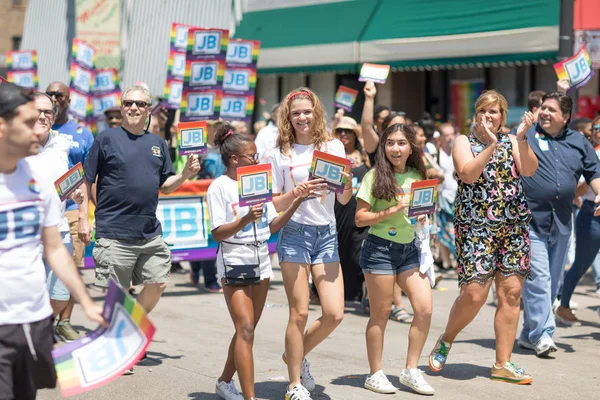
(563, 155)
(131, 166)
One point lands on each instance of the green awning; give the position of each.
(410, 34)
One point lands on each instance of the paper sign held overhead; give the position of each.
(345, 98)
(330, 168)
(255, 184)
(577, 69)
(192, 137)
(374, 72)
(423, 197)
(69, 182)
(23, 60)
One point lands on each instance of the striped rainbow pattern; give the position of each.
(251, 170)
(224, 38)
(331, 159)
(76, 47)
(561, 70)
(173, 34)
(220, 70)
(463, 95)
(10, 58)
(66, 370)
(218, 98)
(11, 76)
(255, 47)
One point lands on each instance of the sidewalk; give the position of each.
(194, 330)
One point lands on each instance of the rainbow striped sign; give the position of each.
(26, 79)
(192, 137)
(330, 168)
(374, 72)
(69, 182)
(345, 98)
(577, 69)
(243, 52)
(25, 59)
(463, 95)
(255, 184)
(103, 355)
(423, 197)
(200, 104)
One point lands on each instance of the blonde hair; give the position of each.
(287, 136)
(491, 97)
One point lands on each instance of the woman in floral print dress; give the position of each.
(491, 224)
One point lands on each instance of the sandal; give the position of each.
(400, 314)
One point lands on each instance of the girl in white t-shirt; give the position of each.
(308, 243)
(242, 233)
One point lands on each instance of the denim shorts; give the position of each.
(56, 288)
(308, 244)
(383, 257)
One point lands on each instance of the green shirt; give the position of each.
(396, 228)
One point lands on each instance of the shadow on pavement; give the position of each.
(203, 396)
(458, 372)
(351, 380)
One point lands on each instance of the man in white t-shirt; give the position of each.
(29, 216)
(266, 139)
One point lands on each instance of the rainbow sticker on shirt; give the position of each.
(255, 184)
(33, 186)
(392, 231)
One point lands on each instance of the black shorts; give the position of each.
(20, 374)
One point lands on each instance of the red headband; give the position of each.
(303, 92)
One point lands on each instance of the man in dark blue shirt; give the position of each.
(563, 156)
(131, 165)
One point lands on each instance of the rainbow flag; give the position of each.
(463, 95)
(577, 69)
(104, 354)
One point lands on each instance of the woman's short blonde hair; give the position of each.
(491, 97)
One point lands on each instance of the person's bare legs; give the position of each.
(506, 320)
(445, 257)
(330, 285)
(380, 288)
(417, 288)
(58, 306)
(397, 297)
(243, 303)
(67, 310)
(466, 307)
(295, 281)
(150, 295)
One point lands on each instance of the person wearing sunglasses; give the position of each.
(29, 201)
(587, 247)
(80, 139)
(131, 165)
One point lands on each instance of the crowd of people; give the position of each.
(506, 201)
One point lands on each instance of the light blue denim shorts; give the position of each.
(308, 244)
(57, 289)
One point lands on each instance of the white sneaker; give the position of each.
(545, 346)
(414, 379)
(228, 391)
(525, 344)
(298, 392)
(379, 383)
(306, 377)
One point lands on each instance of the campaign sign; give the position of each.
(177, 65)
(103, 102)
(26, 79)
(207, 43)
(179, 37)
(242, 52)
(105, 80)
(200, 104)
(345, 98)
(238, 108)
(80, 104)
(330, 168)
(255, 184)
(577, 69)
(81, 79)
(203, 73)
(184, 222)
(423, 197)
(192, 137)
(26, 59)
(239, 80)
(374, 72)
(84, 54)
(104, 354)
(173, 91)
(71, 180)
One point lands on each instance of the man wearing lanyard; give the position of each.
(80, 139)
(564, 155)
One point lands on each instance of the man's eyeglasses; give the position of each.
(250, 156)
(47, 113)
(57, 95)
(596, 128)
(138, 103)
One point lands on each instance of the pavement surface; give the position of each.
(194, 330)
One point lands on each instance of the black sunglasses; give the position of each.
(341, 131)
(138, 103)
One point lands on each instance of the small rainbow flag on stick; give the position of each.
(577, 69)
(104, 354)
